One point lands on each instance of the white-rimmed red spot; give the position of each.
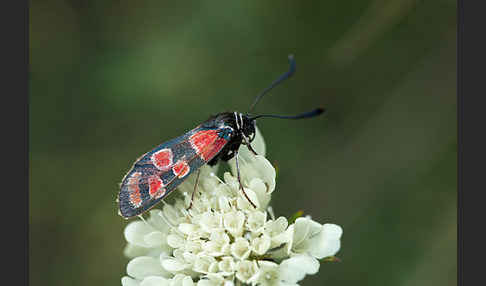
(181, 169)
(217, 145)
(207, 143)
(156, 187)
(135, 196)
(162, 159)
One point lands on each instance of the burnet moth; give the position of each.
(158, 172)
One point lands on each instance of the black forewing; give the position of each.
(181, 149)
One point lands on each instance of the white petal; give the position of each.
(128, 281)
(178, 253)
(220, 236)
(245, 270)
(189, 257)
(135, 231)
(213, 248)
(155, 281)
(181, 280)
(233, 222)
(255, 167)
(208, 182)
(314, 227)
(301, 230)
(261, 244)
(156, 252)
(173, 265)
(187, 186)
(263, 169)
(206, 170)
(256, 221)
(177, 279)
(203, 263)
(327, 242)
(227, 265)
(268, 274)
(231, 181)
(244, 204)
(187, 281)
(155, 239)
(204, 282)
(260, 189)
(194, 246)
(156, 221)
(213, 268)
(188, 228)
(143, 266)
(258, 143)
(132, 250)
(211, 221)
(216, 278)
(223, 203)
(284, 237)
(280, 253)
(304, 229)
(240, 248)
(267, 264)
(283, 283)
(276, 227)
(334, 231)
(175, 241)
(170, 214)
(295, 268)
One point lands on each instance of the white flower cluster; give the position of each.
(222, 239)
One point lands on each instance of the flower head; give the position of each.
(222, 239)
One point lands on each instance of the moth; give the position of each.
(158, 172)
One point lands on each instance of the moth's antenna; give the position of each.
(283, 77)
(308, 114)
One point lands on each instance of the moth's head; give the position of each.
(248, 127)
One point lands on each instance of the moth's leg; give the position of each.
(249, 146)
(239, 179)
(251, 149)
(195, 187)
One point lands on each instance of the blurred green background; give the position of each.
(109, 80)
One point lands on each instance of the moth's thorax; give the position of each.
(240, 124)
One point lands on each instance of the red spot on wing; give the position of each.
(156, 187)
(201, 139)
(181, 168)
(207, 143)
(209, 153)
(135, 196)
(162, 159)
